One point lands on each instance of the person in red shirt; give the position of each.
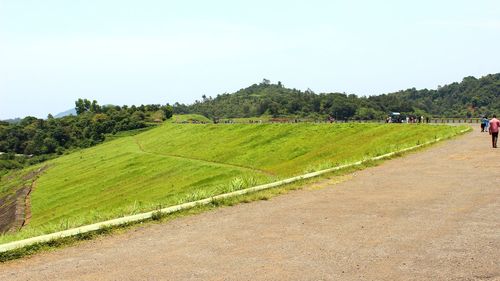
(494, 125)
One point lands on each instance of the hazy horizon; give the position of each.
(121, 52)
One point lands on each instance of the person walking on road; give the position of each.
(494, 125)
(484, 123)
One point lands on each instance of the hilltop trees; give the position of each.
(471, 97)
(85, 105)
(82, 105)
(275, 100)
(168, 111)
(39, 137)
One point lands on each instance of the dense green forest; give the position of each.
(470, 98)
(33, 140)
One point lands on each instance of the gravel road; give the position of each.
(431, 215)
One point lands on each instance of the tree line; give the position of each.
(470, 98)
(39, 139)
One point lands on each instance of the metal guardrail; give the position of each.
(299, 120)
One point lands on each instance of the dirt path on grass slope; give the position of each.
(432, 215)
(203, 161)
(15, 208)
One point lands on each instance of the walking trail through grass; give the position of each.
(202, 160)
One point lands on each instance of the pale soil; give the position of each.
(432, 215)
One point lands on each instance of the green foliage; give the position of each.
(470, 98)
(168, 111)
(190, 118)
(35, 137)
(82, 105)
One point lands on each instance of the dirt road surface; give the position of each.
(431, 215)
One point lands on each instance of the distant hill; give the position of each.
(72, 111)
(66, 113)
(472, 97)
(13, 120)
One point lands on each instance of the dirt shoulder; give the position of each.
(15, 208)
(432, 215)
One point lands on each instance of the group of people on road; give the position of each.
(492, 126)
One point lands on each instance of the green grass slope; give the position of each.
(175, 163)
(189, 118)
(286, 149)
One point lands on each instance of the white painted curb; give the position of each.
(144, 216)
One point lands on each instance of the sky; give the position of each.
(53, 52)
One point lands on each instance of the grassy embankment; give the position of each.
(189, 118)
(176, 163)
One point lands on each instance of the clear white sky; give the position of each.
(131, 52)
